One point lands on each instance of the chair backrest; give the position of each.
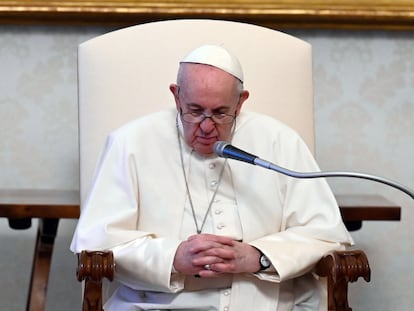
(126, 73)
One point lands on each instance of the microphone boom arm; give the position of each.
(310, 175)
(226, 150)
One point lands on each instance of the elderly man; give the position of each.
(191, 231)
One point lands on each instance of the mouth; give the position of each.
(207, 140)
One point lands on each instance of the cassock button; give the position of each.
(220, 226)
(213, 183)
(212, 165)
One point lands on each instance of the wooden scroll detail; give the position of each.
(340, 268)
(93, 267)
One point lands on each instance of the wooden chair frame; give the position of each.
(339, 267)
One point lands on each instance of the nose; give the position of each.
(207, 125)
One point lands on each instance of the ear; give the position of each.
(243, 97)
(174, 90)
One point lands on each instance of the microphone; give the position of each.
(226, 150)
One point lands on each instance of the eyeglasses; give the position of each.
(198, 117)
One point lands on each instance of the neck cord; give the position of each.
(199, 229)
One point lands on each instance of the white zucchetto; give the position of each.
(215, 56)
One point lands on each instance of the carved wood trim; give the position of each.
(341, 268)
(349, 14)
(93, 267)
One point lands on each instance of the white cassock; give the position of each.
(138, 207)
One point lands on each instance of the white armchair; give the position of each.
(126, 73)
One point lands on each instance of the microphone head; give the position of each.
(219, 147)
(226, 150)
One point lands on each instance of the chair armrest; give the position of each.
(340, 268)
(93, 267)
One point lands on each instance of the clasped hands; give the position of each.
(209, 255)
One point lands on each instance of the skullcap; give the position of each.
(215, 56)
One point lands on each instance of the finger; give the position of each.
(224, 267)
(206, 260)
(225, 253)
(208, 273)
(212, 237)
(200, 247)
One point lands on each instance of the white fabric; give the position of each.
(138, 200)
(216, 56)
(203, 176)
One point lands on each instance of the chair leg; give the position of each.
(45, 239)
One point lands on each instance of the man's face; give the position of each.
(207, 90)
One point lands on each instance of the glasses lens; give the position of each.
(191, 117)
(222, 118)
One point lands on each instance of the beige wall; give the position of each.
(364, 106)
